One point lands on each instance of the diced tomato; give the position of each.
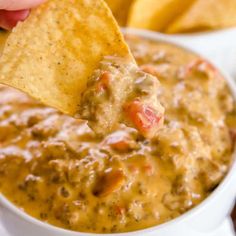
(109, 182)
(104, 81)
(158, 71)
(119, 210)
(148, 169)
(149, 69)
(119, 141)
(233, 135)
(134, 169)
(202, 66)
(120, 146)
(144, 118)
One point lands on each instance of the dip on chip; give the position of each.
(52, 54)
(120, 92)
(72, 56)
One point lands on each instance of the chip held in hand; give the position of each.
(51, 55)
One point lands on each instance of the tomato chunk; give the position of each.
(134, 169)
(120, 141)
(233, 134)
(104, 81)
(109, 182)
(160, 70)
(148, 169)
(119, 210)
(144, 118)
(121, 145)
(202, 66)
(149, 69)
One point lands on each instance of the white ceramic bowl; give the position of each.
(205, 219)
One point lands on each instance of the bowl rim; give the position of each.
(146, 34)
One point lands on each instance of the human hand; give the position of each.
(12, 11)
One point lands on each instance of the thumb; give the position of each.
(12, 5)
(9, 19)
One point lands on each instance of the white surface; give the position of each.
(226, 229)
(207, 219)
(3, 232)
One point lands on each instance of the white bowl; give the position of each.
(205, 219)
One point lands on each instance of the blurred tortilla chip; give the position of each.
(156, 14)
(205, 15)
(3, 38)
(51, 55)
(120, 9)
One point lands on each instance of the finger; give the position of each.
(9, 19)
(12, 5)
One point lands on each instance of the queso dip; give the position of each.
(58, 170)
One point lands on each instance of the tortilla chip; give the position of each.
(156, 15)
(206, 15)
(52, 54)
(120, 9)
